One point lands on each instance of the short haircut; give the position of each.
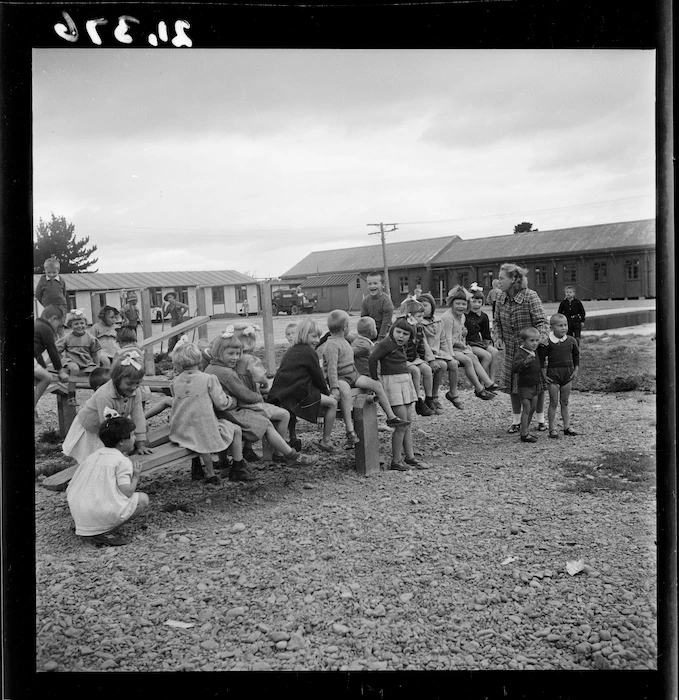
(568, 286)
(518, 274)
(336, 320)
(410, 306)
(99, 376)
(113, 430)
(366, 326)
(403, 324)
(458, 293)
(376, 273)
(290, 327)
(51, 262)
(304, 329)
(52, 311)
(220, 345)
(187, 355)
(106, 309)
(528, 332)
(126, 334)
(478, 294)
(557, 318)
(432, 302)
(119, 371)
(248, 341)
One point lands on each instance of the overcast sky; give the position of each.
(251, 159)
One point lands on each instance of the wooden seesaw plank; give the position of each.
(174, 330)
(164, 454)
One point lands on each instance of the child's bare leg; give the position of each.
(408, 434)
(415, 374)
(281, 424)
(452, 366)
(468, 366)
(438, 370)
(277, 441)
(375, 386)
(142, 507)
(483, 357)
(397, 437)
(44, 380)
(236, 445)
(553, 389)
(159, 407)
(329, 408)
(427, 379)
(480, 371)
(493, 361)
(208, 464)
(346, 404)
(526, 415)
(540, 405)
(565, 409)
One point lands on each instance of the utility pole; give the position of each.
(384, 250)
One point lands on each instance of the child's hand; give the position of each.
(547, 379)
(63, 375)
(142, 449)
(136, 469)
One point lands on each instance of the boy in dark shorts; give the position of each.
(574, 312)
(526, 378)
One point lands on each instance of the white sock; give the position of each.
(516, 419)
(540, 417)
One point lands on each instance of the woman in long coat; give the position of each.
(517, 307)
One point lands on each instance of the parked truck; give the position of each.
(292, 302)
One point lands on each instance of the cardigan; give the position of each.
(51, 292)
(391, 357)
(299, 375)
(362, 348)
(381, 309)
(339, 360)
(529, 375)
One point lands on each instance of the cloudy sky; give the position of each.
(251, 159)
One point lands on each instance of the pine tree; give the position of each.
(57, 238)
(524, 227)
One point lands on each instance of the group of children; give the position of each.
(223, 402)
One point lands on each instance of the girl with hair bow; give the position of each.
(121, 394)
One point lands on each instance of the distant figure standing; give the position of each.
(494, 295)
(378, 304)
(51, 291)
(130, 313)
(574, 312)
(246, 307)
(176, 310)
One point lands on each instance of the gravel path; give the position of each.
(316, 568)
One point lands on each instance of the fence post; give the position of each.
(201, 308)
(147, 328)
(267, 323)
(367, 451)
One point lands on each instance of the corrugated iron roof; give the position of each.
(329, 280)
(576, 241)
(366, 258)
(91, 281)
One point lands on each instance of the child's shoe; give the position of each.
(438, 406)
(418, 465)
(213, 480)
(514, 428)
(429, 403)
(396, 422)
(528, 438)
(249, 455)
(399, 467)
(542, 427)
(455, 400)
(110, 540)
(352, 438)
(239, 472)
(295, 458)
(296, 444)
(554, 433)
(197, 471)
(569, 431)
(485, 395)
(493, 387)
(422, 409)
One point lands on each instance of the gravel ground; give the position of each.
(316, 568)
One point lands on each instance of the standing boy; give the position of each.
(527, 374)
(176, 310)
(51, 291)
(378, 304)
(130, 313)
(574, 312)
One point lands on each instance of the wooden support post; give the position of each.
(183, 327)
(66, 409)
(95, 306)
(267, 322)
(201, 308)
(367, 451)
(147, 329)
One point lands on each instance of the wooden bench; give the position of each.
(165, 454)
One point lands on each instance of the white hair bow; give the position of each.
(111, 413)
(250, 330)
(183, 340)
(475, 287)
(228, 333)
(78, 312)
(409, 318)
(129, 359)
